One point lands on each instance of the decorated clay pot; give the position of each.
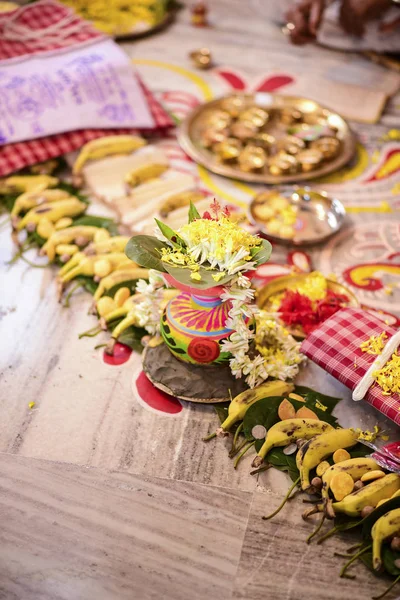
(193, 324)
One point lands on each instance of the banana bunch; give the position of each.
(288, 431)
(387, 526)
(241, 403)
(29, 200)
(311, 454)
(97, 265)
(26, 183)
(123, 274)
(144, 173)
(368, 496)
(78, 236)
(107, 146)
(52, 212)
(354, 467)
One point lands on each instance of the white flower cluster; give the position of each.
(149, 310)
(282, 357)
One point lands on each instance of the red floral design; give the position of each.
(203, 350)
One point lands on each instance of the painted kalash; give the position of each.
(199, 300)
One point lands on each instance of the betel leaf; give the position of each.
(132, 337)
(171, 235)
(93, 221)
(87, 283)
(359, 451)
(389, 559)
(145, 250)
(263, 412)
(282, 462)
(369, 521)
(311, 395)
(182, 275)
(262, 253)
(193, 213)
(222, 410)
(8, 201)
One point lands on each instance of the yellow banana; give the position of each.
(106, 146)
(114, 244)
(126, 273)
(131, 303)
(144, 173)
(70, 207)
(241, 403)
(386, 526)
(26, 183)
(288, 431)
(321, 447)
(356, 467)
(178, 200)
(369, 495)
(66, 236)
(80, 264)
(29, 200)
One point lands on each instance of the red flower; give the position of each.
(203, 350)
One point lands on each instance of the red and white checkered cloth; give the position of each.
(335, 346)
(39, 16)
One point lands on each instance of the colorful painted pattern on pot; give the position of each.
(193, 326)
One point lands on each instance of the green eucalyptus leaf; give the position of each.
(171, 235)
(145, 250)
(182, 275)
(261, 254)
(193, 213)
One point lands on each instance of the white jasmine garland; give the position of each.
(279, 354)
(150, 308)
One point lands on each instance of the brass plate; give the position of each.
(137, 35)
(278, 285)
(318, 217)
(189, 137)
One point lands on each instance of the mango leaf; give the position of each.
(369, 521)
(182, 275)
(171, 235)
(280, 461)
(93, 221)
(145, 250)
(261, 254)
(193, 213)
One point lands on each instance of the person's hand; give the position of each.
(304, 19)
(354, 14)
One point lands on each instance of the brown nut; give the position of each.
(81, 241)
(218, 119)
(316, 483)
(289, 115)
(213, 136)
(367, 510)
(395, 544)
(202, 58)
(358, 485)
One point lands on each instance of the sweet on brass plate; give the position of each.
(263, 138)
(313, 217)
(280, 284)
